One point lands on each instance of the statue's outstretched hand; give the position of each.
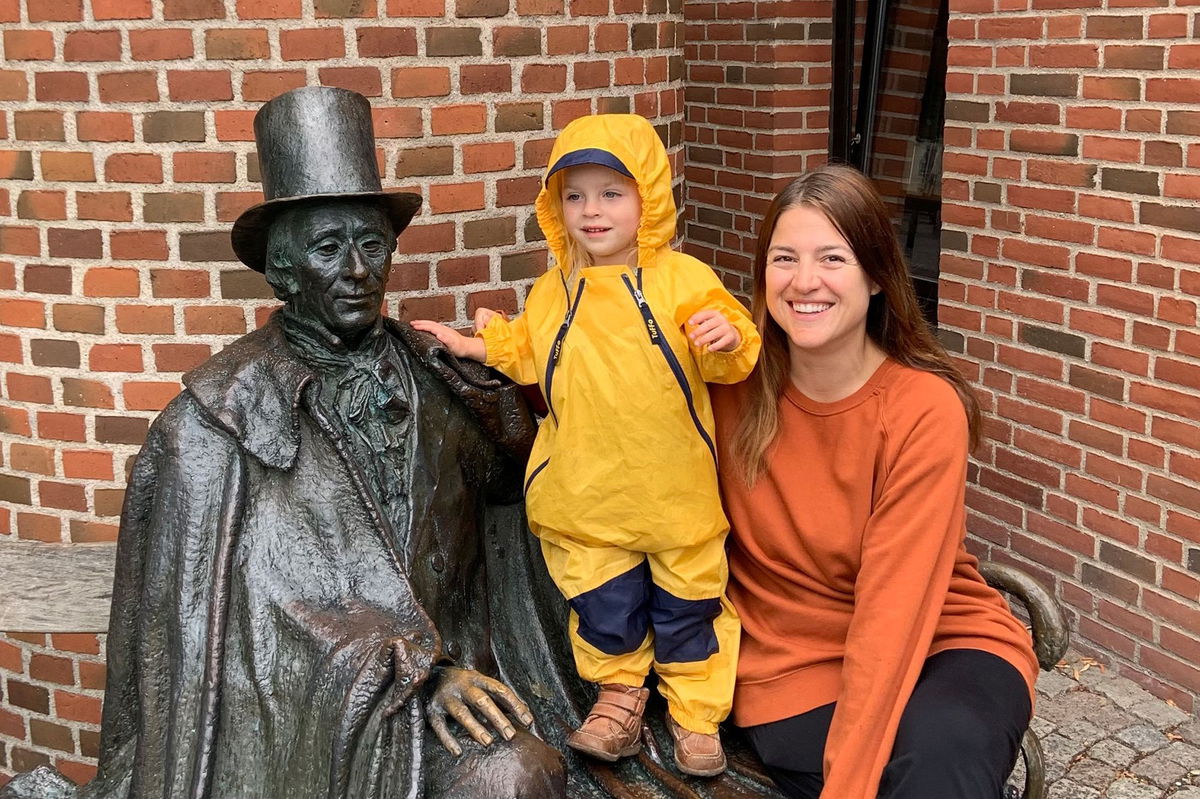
(412, 665)
(459, 692)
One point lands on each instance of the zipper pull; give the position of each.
(640, 298)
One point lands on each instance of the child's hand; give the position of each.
(459, 345)
(711, 328)
(483, 316)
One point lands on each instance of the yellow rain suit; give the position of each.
(621, 487)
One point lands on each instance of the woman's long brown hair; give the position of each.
(894, 319)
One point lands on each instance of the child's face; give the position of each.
(601, 210)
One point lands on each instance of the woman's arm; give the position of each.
(908, 554)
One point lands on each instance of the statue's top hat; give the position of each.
(314, 142)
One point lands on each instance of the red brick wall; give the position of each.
(757, 111)
(1070, 278)
(125, 153)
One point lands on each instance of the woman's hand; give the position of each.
(459, 692)
(711, 328)
(459, 345)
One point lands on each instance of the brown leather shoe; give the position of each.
(614, 727)
(697, 753)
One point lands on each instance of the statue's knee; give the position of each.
(523, 768)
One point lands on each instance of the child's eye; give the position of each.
(570, 197)
(612, 194)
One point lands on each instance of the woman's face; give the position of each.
(816, 291)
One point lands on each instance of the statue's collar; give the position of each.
(252, 389)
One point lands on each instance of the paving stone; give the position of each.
(1113, 753)
(1073, 705)
(1187, 793)
(1053, 683)
(1159, 768)
(1068, 789)
(1092, 773)
(1132, 789)
(1041, 727)
(1185, 754)
(1125, 692)
(1159, 713)
(1081, 732)
(1143, 738)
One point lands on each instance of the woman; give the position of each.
(875, 661)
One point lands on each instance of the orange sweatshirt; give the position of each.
(847, 564)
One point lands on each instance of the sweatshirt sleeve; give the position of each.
(707, 293)
(908, 555)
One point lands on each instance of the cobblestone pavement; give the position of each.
(1106, 738)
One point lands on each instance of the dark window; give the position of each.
(887, 116)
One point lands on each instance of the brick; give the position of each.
(312, 44)
(544, 78)
(121, 430)
(244, 44)
(459, 41)
(29, 388)
(1176, 217)
(516, 41)
(16, 165)
(56, 11)
(103, 126)
(268, 9)
(13, 85)
(87, 465)
(28, 45)
(386, 42)
(195, 246)
(42, 205)
(145, 319)
(61, 86)
(149, 396)
(138, 245)
(185, 86)
(397, 123)
(54, 353)
(71, 167)
(1044, 84)
(263, 86)
(133, 168)
(84, 394)
(174, 207)
(458, 119)
(425, 161)
(64, 243)
(38, 126)
(78, 318)
(198, 167)
(364, 80)
(481, 8)
(456, 197)
(158, 44)
(243, 284)
(342, 9)
(77, 707)
(513, 117)
(1111, 88)
(31, 697)
(481, 79)
(491, 232)
(128, 87)
(121, 9)
(86, 532)
(180, 357)
(39, 527)
(489, 157)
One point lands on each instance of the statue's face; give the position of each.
(340, 254)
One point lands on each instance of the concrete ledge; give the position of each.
(56, 587)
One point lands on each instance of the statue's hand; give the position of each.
(412, 665)
(459, 691)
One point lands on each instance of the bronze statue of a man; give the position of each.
(300, 603)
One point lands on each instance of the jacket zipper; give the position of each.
(556, 347)
(657, 340)
(535, 473)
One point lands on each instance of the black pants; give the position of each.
(958, 737)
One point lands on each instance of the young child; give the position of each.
(621, 487)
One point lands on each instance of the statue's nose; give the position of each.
(357, 266)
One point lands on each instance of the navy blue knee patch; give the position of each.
(683, 628)
(613, 616)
